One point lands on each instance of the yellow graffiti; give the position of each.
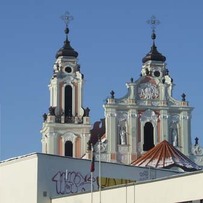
(108, 182)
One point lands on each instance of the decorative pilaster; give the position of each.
(133, 130)
(185, 131)
(52, 143)
(44, 145)
(164, 131)
(111, 132)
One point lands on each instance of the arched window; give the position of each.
(148, 136)
(68, 101)
(68, 148)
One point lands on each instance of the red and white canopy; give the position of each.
(164, 155)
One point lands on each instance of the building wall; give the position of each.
(181, 188)
(37, 178)
(18, 180)
(60, 175)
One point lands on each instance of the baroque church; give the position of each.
(134, 124)
(144, 139)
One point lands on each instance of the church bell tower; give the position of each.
(66, 127)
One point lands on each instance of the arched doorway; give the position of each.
(148, 136)
(69, 148)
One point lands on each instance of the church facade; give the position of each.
(148, 113)
(133, 124)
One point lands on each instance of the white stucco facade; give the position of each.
(146, 115)
(185, 188)
(18, 180)
(38, 178)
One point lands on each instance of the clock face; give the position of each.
(156, 73)
(68, 69)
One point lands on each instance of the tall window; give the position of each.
(68, 148)
(148, 136)
(68, 101)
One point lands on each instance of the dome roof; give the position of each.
(66, 50)
(154, 55)
(164, 155)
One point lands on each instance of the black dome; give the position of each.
(66, 50)
(154, 55)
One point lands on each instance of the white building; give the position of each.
(37, 178)
(185, 188)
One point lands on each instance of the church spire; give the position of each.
(153, 55)
(66, 50)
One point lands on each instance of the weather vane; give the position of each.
(66, 18)
(153, 22)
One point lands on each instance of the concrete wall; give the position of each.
(18, 180)
(187, 187)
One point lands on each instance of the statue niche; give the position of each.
(122, 133)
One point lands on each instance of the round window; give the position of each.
(156, 73)
(68, 69)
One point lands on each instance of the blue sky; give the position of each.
(111, 37)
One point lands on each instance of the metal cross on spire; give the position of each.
(66, 18)
(153, 22)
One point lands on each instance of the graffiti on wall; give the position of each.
(69, 182)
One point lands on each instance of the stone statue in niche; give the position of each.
(122, 134)
(122, 127)
(174, 134)
(174, 130)
(175, 137)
